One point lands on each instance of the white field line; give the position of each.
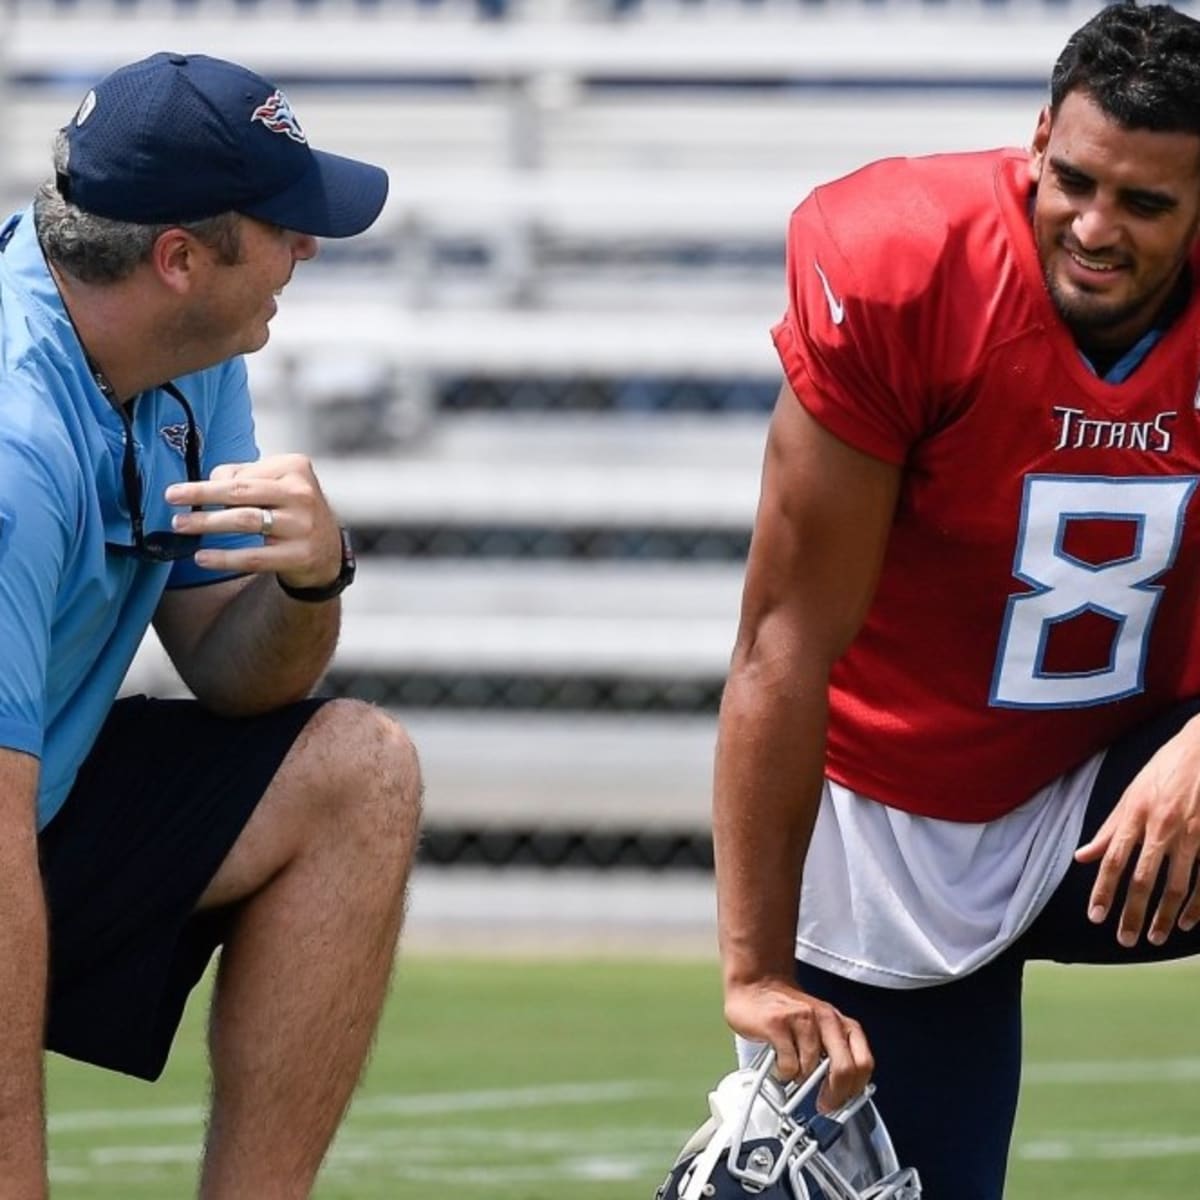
(574, 1171)
(615, 1166)
(1150, 1071)
(450, 1141)
(1124, 1145)
(435, 1154)
(440, 1140)
(1161, 1070)
(438, 1144)
(151, 1164)
(430, 1103)
(164, 1155)
(577, 1171)
(88, 1119)
(615, 1154)
(611, 1154)
(506, 1098)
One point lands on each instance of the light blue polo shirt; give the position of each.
(71, 614)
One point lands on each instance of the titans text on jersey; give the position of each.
(1079, 431)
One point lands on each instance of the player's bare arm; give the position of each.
(22, 983)
(244, 645)
(819, 539)
(1154, 828)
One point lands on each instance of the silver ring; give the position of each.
(268, 521)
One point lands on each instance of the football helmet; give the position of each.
(766, 1139)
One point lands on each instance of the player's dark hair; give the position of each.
(1140, 64)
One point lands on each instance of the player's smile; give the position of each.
(1090, 271)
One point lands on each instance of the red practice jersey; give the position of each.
(1039, 592)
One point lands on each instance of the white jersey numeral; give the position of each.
(1122, 590)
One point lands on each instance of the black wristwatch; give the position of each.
(345, 577)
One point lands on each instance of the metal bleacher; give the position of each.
(538, 389)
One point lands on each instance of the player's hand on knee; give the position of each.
(1153, 829)
(803, 1030)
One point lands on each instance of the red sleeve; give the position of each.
(850, 339)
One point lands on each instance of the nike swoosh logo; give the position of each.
(836, 309)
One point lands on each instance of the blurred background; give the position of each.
(537, 390)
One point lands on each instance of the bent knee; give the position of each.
(362, 767)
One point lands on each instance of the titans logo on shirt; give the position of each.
(176, 437)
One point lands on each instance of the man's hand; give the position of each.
(1160, 813)
(302, 543)
(803, 1030)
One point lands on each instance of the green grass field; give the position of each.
(512, 1080)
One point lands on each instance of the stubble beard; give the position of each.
(1086, 314)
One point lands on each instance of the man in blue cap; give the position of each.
(138, 835)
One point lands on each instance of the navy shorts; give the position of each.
(948, 1057)
(155, 810)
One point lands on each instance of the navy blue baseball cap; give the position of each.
(182, 137)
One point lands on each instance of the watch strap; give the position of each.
(345, 577)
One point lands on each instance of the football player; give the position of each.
(959, 728)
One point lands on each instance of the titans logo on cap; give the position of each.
(276, 114)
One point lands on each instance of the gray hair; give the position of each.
(102, 250)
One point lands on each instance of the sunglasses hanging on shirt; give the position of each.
(157, 545)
